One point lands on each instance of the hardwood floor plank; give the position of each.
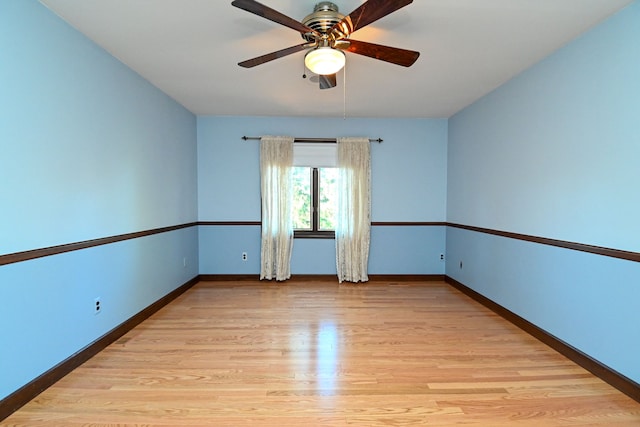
(321, 354)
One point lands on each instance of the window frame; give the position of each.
(315, 232)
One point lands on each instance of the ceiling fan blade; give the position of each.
(272, 15)
(370, 11)
(249, 63)
(394, 55)
(328, 81)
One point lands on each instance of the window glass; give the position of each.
(314, 201)
(327, 199)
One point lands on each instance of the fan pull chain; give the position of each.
(344, 92)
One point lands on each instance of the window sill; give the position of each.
(301, 234)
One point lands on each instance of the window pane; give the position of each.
(328, 198)
(301, 198)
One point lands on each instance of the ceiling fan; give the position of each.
(326, 33)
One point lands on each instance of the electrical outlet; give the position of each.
(441, 257)
(244, 256)
(184, 262)
(97, 305)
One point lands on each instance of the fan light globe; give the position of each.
(324, 60)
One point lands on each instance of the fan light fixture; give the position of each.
(324, 60)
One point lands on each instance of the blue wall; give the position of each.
(554, 153)
(89, 150)
(408, 185)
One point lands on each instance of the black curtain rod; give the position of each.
(322, 140)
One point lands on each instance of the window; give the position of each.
(314, 201)
(314, 189)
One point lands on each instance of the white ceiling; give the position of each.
(190, 50)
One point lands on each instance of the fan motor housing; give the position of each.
(325, 15)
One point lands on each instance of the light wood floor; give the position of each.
(321, 354)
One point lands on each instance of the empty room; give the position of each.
(310, 213)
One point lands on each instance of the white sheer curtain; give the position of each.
(353, 222)
(276, 162)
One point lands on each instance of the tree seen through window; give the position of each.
(314, 200)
